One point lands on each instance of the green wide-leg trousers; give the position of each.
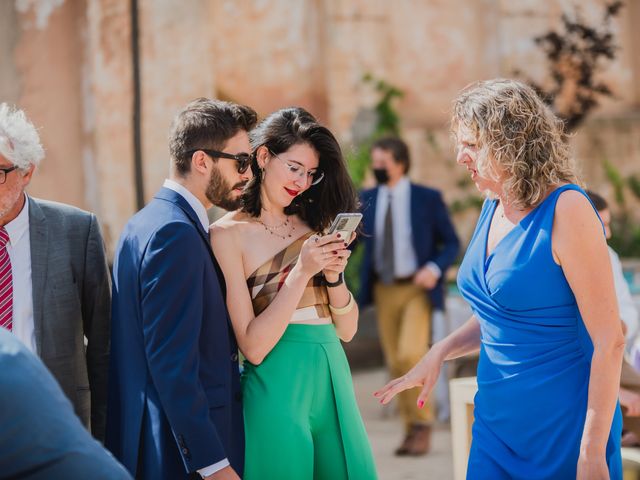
(300, 412)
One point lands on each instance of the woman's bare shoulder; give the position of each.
(575, 220)
(231, 221)
(229, 228)
(573, 206)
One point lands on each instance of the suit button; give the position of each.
(234, 357)
(185, 451)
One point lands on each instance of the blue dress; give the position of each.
(535, 355)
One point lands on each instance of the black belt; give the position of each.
(403, 280)
(397, 280)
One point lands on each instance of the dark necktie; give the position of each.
(6, 283)
(387, 265)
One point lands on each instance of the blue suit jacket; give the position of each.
(174, 394)
(41, 438)
(434, 238)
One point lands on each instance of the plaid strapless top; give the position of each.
(269, 278)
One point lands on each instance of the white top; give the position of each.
(626, 306)
(19, 249)
(191, 199)
(201, 212)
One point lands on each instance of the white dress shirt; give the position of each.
(201, 212)
(192, 200)
(19, 249)
(626, 306)
(404, 255)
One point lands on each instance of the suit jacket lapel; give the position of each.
(39, 236)
(415, 216)
(179, 200)
(372, 218)
(370, 211)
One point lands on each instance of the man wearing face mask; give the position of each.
(409, 243)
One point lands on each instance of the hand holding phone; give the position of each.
(345, 224)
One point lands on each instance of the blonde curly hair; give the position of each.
(522, 144)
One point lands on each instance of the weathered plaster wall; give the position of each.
(46, 59)
(270, 54)
(177, 65)
(69, 65)
(107, 93)
(9, 35)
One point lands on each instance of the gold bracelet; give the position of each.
(343, 310)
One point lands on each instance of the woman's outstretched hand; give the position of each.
(424, 374)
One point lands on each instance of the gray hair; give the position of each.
(19, 140)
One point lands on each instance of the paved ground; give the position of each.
(385, 433)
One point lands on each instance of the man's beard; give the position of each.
(220, 194)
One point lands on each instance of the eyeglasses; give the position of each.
(298, 170)
(4, 171)
(243, 160)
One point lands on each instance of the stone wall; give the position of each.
(69, 64)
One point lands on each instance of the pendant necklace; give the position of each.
(273, 229)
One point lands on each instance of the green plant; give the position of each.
(634, 185)
(615, 179)
(464, 204)
(388, 120)
(625, 231)
(358, 162)
(387, 123)
(625, 235)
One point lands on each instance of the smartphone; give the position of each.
(346, 224)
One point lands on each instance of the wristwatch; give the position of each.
(340, 281)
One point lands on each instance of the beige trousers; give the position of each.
(404, 325)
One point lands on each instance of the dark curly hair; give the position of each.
(318, 205)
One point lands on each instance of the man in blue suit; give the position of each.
(41, 438)
(174, 407)
(409, 242)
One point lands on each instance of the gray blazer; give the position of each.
(40, 437)
(71, 301)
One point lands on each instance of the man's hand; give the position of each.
(425, 278)
(227, 473)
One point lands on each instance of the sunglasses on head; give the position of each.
(243, 160)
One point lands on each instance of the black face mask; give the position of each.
(382, 176)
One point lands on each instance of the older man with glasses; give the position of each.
(54, 280)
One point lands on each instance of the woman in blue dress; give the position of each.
(538, 278)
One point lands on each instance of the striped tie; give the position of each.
(6, 283)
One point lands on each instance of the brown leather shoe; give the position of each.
(420, 443)
(403, 449)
